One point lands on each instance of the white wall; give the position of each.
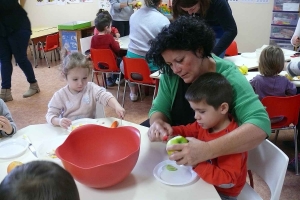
(253, 20)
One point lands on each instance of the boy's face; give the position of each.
(77, 79)
(206, 115)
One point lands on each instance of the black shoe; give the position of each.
(110, 82)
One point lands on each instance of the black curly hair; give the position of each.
(185, 33)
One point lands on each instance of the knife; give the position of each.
(31, 147)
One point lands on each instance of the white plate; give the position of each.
(182, 176)
(249, 55)
(80, 122)
(46, 150)
(11, 148)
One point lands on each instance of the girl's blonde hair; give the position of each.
(271, 61)
(73, 60)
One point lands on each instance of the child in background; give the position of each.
(269, 82)
(38, 180)
(7, 124)
(104, 40)
(211, 96)
(79, 97)
(114, 31)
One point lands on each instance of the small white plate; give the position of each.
(80, 122)
(182, 176)
(11, 148)
(46, 150)
(249, 55)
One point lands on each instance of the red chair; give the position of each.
(136, 70)
(284, 113)
(51, 44)
(104, 61)
(232, 50)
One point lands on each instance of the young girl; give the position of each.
(79, 97)
(269, 82)
(7, 124)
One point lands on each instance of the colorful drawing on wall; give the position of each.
(73, 1)
(49, 2)
(69, 41)
(61, 2)
(40, 2)
(104, 4)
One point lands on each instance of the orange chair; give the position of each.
(284, 114)
(136, 70)
(104, 61)
(232, 50)
(51, 44)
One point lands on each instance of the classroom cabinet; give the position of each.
(284, 21)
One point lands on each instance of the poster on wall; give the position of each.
(49, 2)
(69, 41)
(104, 4)
(73, 1)
(61, 2)
(40, 2)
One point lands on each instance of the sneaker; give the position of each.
(292, 163)
(133, 97)
(121, 82)
(110, 82)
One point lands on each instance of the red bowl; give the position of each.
(100, 157)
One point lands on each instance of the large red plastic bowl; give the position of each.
(100, 157)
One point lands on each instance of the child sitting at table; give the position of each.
(114, 31)
(79, 97)
(38, 180)
(211, 97)
(7, 124)
(269, 82)
(104, 40)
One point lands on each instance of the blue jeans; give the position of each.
(15, 44)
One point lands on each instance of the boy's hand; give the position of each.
(118, 35)
(65, 123)
(5, 125)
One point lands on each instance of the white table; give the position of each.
(139, 185)
(124, 42)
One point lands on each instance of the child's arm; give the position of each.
(113, 103)
(114, 45)
(7, 124)
(189, 130)
(291, 88)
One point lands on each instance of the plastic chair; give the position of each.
(104, 61)
(284, 112)
(270, 163)
(51, 44)
(136, 70)
(232, 50)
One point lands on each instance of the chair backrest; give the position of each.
(137, 66)
(270, 163)
(52, 42)
(232, 50)
(104, 60)
(287, 108)
(85, 44)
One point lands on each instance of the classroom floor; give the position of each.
(32, 110)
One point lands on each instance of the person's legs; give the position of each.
(120, 26)
(6, 69)
(18, 42)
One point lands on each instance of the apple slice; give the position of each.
(171, 168)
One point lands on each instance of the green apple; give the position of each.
(176, 140)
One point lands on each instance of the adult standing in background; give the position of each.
(295, 41)
(216, 13)
(120, 11)
(15, 31)
(141, 33)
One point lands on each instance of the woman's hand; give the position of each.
(133, 3)
(158, 130)
(65, 123)
(191, 153)
(5, 125)
(296, 40)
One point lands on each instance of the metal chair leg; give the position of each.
(296, 150)
(119, 86)
(124, 93)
